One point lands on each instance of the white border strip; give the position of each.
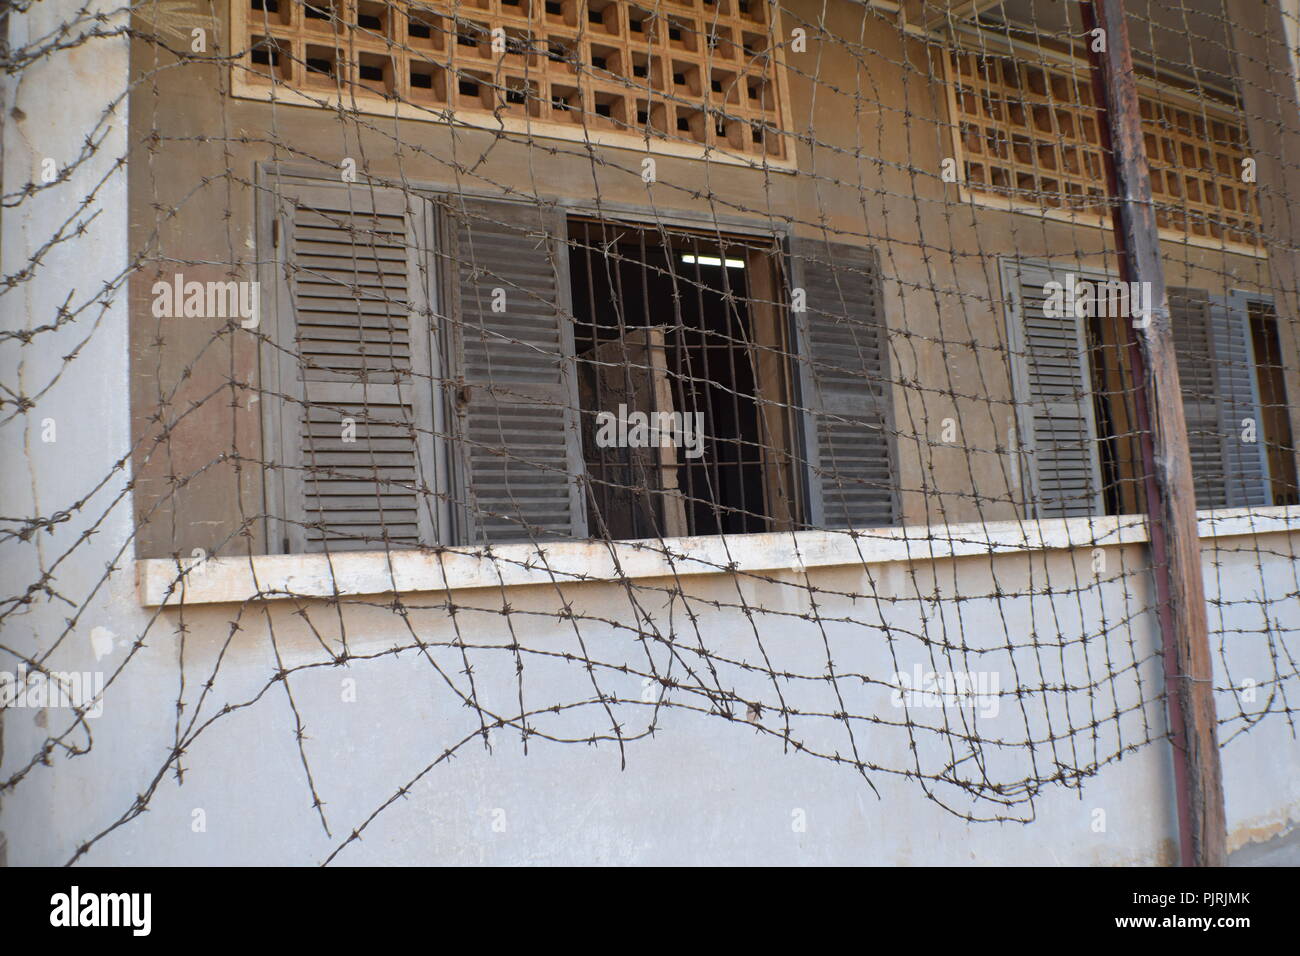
(164, 581)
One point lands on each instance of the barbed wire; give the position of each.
(758, 297)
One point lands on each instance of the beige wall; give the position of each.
(878, 117)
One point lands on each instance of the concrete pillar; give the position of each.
(64, 426)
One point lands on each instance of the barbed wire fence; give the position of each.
(618, 363)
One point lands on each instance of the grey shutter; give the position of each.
(352, 332)
(1245, 464)
(1189, 318)
(1216, 370)
(844, 374)
(516, 410)
(1054, 398)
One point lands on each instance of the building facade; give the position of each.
(343, 315)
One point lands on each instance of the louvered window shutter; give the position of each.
(844, 375)
(1216, 370)
(353, 428)
(1245, 463)
(1054, 399)
(516, 411)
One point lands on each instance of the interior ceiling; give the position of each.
(1188, 37)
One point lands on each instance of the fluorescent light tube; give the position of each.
(713, 261)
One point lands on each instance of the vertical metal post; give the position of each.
(1170, 494)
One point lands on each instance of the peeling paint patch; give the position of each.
(1278, 842)
(1282, 850)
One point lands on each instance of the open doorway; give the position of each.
(684, 382)
(1275, 410)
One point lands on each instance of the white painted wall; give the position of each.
(704, 789)
(61, 102)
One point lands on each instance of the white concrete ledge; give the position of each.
(279, 576)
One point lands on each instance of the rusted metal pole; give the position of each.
(1170, 494)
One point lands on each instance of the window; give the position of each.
(682, 328)
(516, 452)
(844, 368)
(1220, 395)
(349, 418)
(1054, 399)
(1077, 437)
(1275, 411)
(446, 370)
(705, 75)
(1029, 133)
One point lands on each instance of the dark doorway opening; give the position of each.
(1270, 372)
(668, 322)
